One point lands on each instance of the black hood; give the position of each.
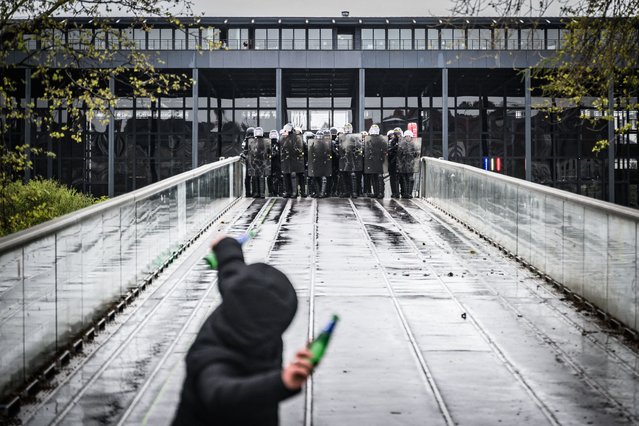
(258, 304)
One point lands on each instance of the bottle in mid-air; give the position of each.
(211, 259)
(319, 345)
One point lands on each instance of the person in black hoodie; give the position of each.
(234, 373)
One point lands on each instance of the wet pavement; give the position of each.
(437, 327)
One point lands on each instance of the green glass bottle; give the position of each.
(319, 345)
(211, 259)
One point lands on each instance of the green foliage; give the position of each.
(598, 52)
(25, 205)
(72, 79)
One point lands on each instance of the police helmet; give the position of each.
(259, 132)
(333, 131)
(308, 135)
(374, 130)
(288, 127)
(298, 130)
(273, 134)
(408, 134)
(348, 128)
(250, 132)
(364, 134)
(389, 133)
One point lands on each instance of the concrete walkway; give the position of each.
(437, 327)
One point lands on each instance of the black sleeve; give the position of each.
(229, 260)
(220, 389)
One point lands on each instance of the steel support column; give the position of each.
(528, 127)
(27, 120)
(361, 104)
(445, 113)
(611, 143)
(111, 145)
(194, 120)
(279, 101)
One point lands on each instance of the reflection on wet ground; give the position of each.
(436, 324)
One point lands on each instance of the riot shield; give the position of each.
(319, 156)
(298, 164)
(407, 154)
(249, 149)
(351, 155)
(259, 156)
(417, 143)
(375, 148)
(292, 153)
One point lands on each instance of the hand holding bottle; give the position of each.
(294, 375)
(211, 259)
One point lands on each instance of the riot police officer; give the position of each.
(407, 154)
(375, 151)
(291, 160)
(259, 160)
(319, 162)
(274, 180)
(302, 176)
(334, 185)
(248, 190)
(366, 182)
(393, 142)
(351, 161)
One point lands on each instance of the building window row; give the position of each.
(307, 39)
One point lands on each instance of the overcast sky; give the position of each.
(330, 8)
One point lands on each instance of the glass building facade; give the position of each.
(462, 84)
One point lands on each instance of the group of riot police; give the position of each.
(330, 163)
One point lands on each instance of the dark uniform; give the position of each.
(248, 190)
(351, 162)
(375, 151)
(302, 176)
(335, 176)
(319, 162)
(366, 179)
(393, 141)
(259, 161)
(291, 160)
(274, 181)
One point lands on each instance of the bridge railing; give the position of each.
(59, 278)
(589, 246)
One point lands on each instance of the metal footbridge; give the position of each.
(479, 302)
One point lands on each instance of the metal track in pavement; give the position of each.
(424, 369)
(544, 337)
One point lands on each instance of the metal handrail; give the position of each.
(42, 230)
(601, 205)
